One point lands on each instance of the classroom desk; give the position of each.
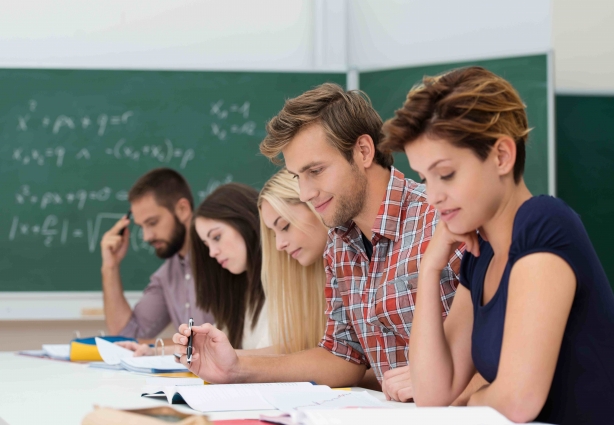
(43, 391)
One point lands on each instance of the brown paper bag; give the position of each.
(150, 416)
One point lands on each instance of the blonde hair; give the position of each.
(294, 293)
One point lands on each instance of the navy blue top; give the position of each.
(582, 390)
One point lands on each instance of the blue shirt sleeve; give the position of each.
(547, 224)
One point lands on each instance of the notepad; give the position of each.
(419, 415)
(114, 356)
(230, 397)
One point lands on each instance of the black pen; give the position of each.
(189, 353)
(121, 232)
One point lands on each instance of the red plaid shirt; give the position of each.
(370, 304)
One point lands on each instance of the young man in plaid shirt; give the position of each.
(380, 227)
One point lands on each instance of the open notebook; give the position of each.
(116, 357)
(286, 396)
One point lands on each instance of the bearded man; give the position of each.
(161, 203)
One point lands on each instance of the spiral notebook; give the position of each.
(116, 357)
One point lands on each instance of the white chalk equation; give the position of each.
(40, 156)
(164, 153)
(221, 111)
(97, 123)
(77, 198)
(80, 198)
(54, 231)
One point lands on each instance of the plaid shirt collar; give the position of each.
(388, 220)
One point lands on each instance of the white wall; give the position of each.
(267, 34)
(174, 34)
(396, 33)
(293, 35)
(583, 33)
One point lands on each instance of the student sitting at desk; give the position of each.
(293, 241)
(381, 225)
(227, 259)
(161, 203)
(535, 312)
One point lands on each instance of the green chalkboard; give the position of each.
(585, 164)
(74, 141)
(528, 74)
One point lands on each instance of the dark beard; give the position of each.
(351, 203)
(174, 245)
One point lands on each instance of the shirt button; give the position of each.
(187, 305)
(187, 276)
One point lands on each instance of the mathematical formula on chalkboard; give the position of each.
(165, 151)
(57, 230)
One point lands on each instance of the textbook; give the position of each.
(116, 357)
(286, 396)
(226, 397)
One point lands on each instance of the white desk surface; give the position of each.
(42, 391)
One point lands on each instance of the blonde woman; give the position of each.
(293, 241)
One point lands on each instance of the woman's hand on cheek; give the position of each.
(443, 244)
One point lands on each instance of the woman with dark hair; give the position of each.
(226, 263)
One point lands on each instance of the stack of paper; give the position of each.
(116, 357)
(52, 351)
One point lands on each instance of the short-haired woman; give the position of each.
(534, 313)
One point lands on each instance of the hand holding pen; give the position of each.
(206, 352)
(190, 341)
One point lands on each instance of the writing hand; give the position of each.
(213, 358)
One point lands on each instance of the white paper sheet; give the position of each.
(103, 365)
(220, 398)
(289, 401)
(165, 382)
(57, 351)
(112, 353)
(146, 363)
(420, 415)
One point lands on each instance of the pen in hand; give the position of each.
(121, 232)
(190, 338)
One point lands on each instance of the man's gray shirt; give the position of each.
(169, 297)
